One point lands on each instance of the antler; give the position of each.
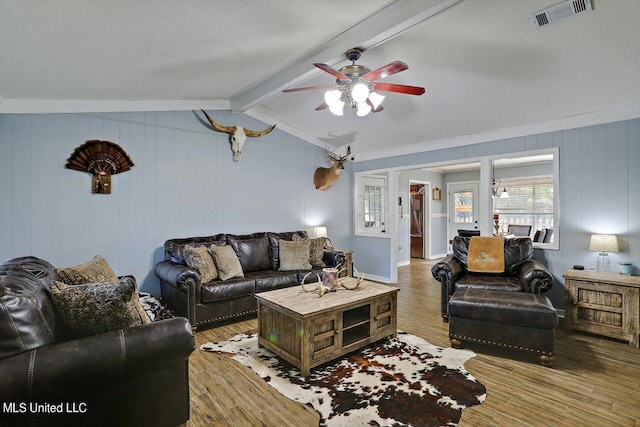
(320, 288)
(358, 280)
(334, 159)
(346, 155)
(330, 155)
(218, 127)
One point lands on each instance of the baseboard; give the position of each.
(436, 256)
(375, 278)
(403, 263)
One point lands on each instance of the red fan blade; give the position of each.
(298, 89)
(321, 106)
(334, 73)
(391, 87)
(387, 70)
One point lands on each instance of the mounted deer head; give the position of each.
(237, 135)
(325, 177)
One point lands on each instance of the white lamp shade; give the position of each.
(337, 108)
(332, 96)
(320, 232)
(603, 243)
(376, 99)
(504, 194)
(360, 92)
(363, 109)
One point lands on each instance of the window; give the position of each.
(530, 202)
(463, 207)
(371, 204)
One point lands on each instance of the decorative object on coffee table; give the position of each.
(322, 286)
(416, 383)
(101, 159)
(330, 278)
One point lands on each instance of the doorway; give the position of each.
(418, 225)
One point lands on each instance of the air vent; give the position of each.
(560, 11)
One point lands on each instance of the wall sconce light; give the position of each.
(603, 243)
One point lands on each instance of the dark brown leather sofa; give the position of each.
(216, 301)
(129, 377)
(522, 273)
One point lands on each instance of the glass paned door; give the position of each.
(463, 207)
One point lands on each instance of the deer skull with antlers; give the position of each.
(237, 135)
(323, 178)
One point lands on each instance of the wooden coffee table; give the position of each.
(307, 330)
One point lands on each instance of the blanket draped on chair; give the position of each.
(486, 254)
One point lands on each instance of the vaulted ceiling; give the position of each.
(487, 70)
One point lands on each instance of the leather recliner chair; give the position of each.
(522, 273)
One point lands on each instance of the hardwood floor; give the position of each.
(594, 381)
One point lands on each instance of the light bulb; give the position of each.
(363, 109)
(360, 92)
(376, 99)
(332, 96)
(337, 107)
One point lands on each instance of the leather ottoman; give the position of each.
(513, 320)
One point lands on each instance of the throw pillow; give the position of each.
(227, 262)
(316, 250)
(95, 271)
(93, 308)
(199, 258)
(294, 255)
(155, 308)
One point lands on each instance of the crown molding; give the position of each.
(564, 123)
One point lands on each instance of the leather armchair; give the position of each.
(521, 274)
(128, 377)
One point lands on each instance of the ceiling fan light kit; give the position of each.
(356, 86)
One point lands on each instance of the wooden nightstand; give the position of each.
(603, 303)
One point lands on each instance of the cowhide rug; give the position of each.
(397, 382)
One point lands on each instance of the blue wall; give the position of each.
(184, 183)
(599, 189)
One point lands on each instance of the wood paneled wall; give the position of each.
(184, 183)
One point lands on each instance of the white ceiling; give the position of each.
(488, 72)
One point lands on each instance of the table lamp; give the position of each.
(322, 232)
(603, 243)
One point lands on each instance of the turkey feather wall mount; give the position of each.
(101, 159)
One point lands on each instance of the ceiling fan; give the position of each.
(356, 86)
